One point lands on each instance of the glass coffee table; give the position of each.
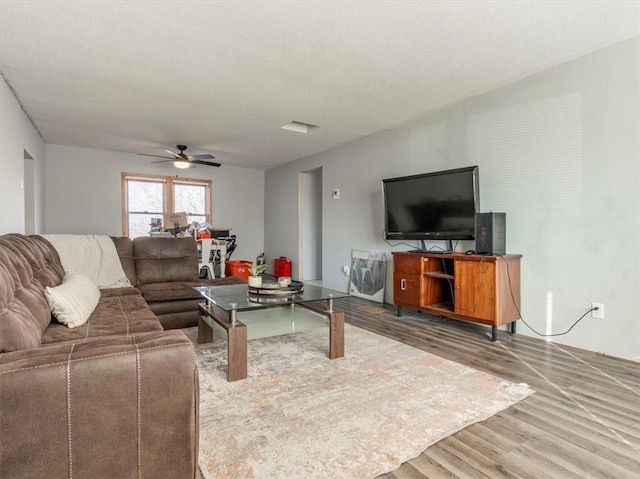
(225, 304)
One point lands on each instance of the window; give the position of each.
(145, 197)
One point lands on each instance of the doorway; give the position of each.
(29, 191)
(310, 225)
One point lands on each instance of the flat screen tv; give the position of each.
(432, 206)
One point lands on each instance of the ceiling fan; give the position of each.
(182, 160)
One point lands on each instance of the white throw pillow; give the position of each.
(73, 301)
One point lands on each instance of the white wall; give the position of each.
(84, 194)
(558, 151)
(17, 134)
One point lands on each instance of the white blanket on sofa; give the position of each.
(93, 256)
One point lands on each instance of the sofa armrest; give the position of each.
(109, 407)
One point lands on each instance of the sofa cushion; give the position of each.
(160, 260)
(19, 329)
(74, 300)
(105, 293)
(124, 247)
(175, 290)
(27, 266)
(119, 312)
(179, 290)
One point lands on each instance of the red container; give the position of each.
(239, 269)
(281, 267)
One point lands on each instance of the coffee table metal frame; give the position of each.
(217, 310)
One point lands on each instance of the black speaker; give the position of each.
(491, 229)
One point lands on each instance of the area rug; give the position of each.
(301, 415)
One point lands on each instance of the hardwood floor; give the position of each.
(582, 422)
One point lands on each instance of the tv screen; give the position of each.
(432, 206)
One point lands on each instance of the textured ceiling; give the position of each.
(223, 77)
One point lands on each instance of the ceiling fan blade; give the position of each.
(206, 156)
(153, 156)
(164, 161)
(208, 163)
(171, 152)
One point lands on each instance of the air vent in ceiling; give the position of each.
(299, 127)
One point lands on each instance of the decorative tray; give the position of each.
(273, 288)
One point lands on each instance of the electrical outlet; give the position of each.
(599, 314)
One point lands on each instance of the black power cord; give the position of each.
(397, 244)
(520, 314)
(438, 248)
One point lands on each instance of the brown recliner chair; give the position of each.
(166, 271)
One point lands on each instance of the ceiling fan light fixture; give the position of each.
(182, 164)
(182, 160)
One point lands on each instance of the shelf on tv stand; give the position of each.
(445, 308)
(439, 274)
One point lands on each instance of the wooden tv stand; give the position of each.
(478, 288)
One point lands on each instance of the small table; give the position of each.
(225, 302)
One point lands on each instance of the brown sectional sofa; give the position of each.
(114, 398)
